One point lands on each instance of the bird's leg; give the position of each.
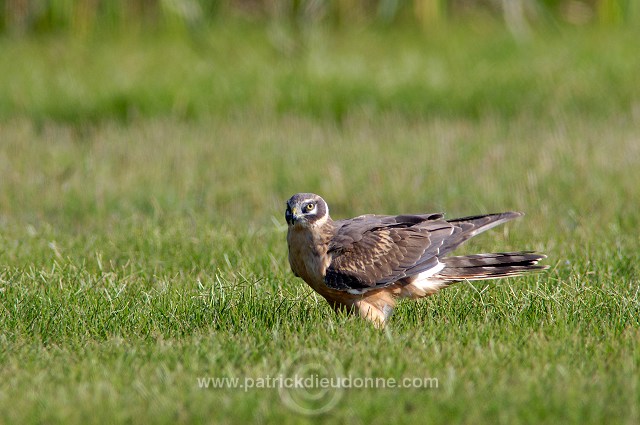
(365, 310)
(377, 312)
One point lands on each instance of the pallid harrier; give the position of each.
(366, 263)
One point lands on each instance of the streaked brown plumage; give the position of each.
(366, 263)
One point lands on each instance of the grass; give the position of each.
(319, 73)
(142, 240)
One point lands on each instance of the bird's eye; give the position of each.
(309, 207)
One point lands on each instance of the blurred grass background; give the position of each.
(84, 16)
(147, 149)
(190, 58)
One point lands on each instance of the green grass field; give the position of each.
(142, 237)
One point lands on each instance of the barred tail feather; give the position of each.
(489, 266)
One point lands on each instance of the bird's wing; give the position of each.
(370, 252)
(468, 227)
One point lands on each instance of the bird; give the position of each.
(366, 264)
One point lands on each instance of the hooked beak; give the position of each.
(293, 215)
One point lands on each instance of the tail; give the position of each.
(489, 266)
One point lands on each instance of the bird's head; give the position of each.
(306, 210)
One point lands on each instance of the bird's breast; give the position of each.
(308, 256)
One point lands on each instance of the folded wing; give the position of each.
(371, 252)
